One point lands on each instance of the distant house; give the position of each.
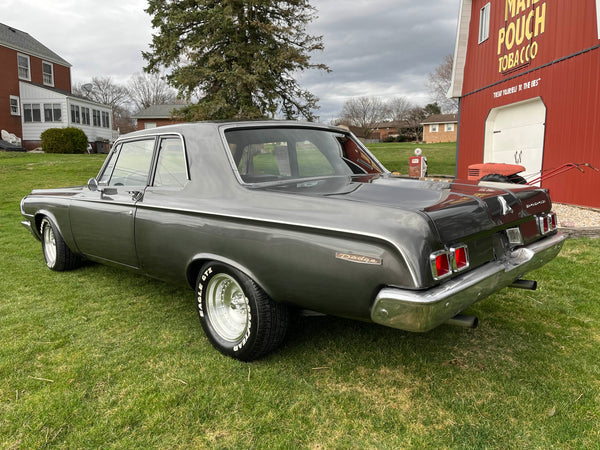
(440, 128)
(389, 130)
(157, 116)
(383, 131)
(35, 89)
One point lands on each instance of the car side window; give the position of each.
(133, 164)
(109, 166)
(171, 167)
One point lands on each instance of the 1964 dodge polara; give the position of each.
(264, 217)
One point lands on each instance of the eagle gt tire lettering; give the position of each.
(238, 317)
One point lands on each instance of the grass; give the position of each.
(441, 158)
(99, 357)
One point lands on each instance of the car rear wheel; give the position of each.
(238, 317)
(58, 256)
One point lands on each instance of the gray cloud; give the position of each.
(374, 47)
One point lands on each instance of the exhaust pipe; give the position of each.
(464, 321)
(529, 285)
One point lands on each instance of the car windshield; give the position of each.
(274, 154)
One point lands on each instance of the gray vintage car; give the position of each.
(262, 218)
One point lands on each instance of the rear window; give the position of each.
(273, 154)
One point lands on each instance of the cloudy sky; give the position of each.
(380, 48)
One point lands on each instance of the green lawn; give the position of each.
(98, 357)
(441, 158)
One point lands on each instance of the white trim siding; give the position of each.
(460, 51)
(61, 113)
(598, 16)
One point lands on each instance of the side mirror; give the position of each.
(92, 184)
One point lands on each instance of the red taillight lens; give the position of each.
(546, 226)
(444, 262)
(460, 258)
(547, 223)
(440, 264)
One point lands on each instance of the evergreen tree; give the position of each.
(239, 57)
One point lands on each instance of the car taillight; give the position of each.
(547, 223)
(554, 219)
(445, 262)
(460, 258)
(440, 264)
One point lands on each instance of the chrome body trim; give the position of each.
(27, 224)
(423, 310)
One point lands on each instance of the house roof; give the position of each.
(19, 40)
(441, 118)
(158, 111)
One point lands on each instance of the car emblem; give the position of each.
(361, 259)
(505, 208)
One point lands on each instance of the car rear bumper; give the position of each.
(423, 310)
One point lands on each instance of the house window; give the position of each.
(32, 112)
(75, 117)
(15, 109)
(52, 112)
(23, 63)
(85, 116)
(48, 72)
(96, 117)
(105, 120)
(449, 127)
(148, 125)
(484, 23)
(433, 127)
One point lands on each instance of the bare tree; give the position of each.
(150, 89)
(122, 120)
(439, 84)
(399, 108)
(364, 113)
(415, 116)
(103, 90)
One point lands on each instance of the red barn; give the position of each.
(527, 73)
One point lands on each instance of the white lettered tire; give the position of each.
(238, 317)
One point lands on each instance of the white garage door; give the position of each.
(514, 134)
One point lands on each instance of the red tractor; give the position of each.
(509, 173)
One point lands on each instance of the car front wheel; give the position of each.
(57, 254)
(238, 317)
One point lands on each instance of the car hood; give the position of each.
(456, 208)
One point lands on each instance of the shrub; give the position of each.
(64, 140)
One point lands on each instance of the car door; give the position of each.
(103, 220)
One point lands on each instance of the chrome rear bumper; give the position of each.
(423, 310)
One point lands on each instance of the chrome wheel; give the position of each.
(227, 307)
(49, 241)
(238, 317)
